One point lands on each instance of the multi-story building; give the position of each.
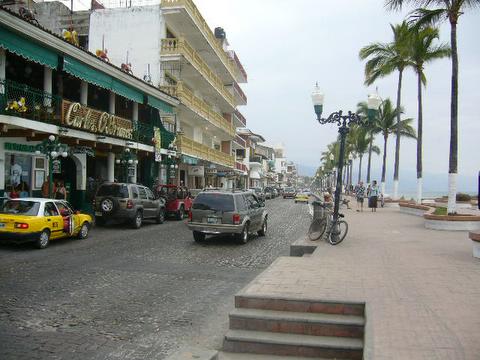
(253, 162)
(268, 164)
(67, 115)
(280, 164)
(172, 46)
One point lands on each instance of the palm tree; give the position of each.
(385, 59)
(362, 110)
(387, 125)
(424, 15)
(361, 141)
(423, 51)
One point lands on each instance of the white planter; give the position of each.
(452, 225)
(458, 205)
(476, 249)
(412, 211)
(391, 205)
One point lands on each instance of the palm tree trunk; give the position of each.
(360, 169)
(369, 159)
(452, 161)
(397, 143)
(419, 137)
(384, 163)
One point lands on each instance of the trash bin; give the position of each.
(318, 209)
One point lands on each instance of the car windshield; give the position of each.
(21, 207)
(289, 190)
(115, 190)
(216, 202)
(257, 190)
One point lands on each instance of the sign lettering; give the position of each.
(79, 116)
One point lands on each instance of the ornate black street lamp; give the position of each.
(52, 149)
(126, 160)
(344, 121)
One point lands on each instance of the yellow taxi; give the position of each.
(40, 220)
(302, 197)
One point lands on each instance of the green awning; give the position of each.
(92, 76)
(28, 49)
(160, 104)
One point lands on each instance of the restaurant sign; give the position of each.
(82, 117)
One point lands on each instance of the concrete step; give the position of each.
(260, 342)
(316, 324)
(193, 353)
(239, 356)
(299, 305)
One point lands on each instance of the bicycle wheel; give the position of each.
(317, 228)
(338, 232)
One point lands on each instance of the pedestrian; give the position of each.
(60, 191)
(373, 196)
(46, 189)
(360, 194)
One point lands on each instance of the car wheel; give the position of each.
(181, 213)
(137, 220)
(243, 236)
(108, 205)
(198, 236)
(160, 217)
(83, 233)
(43, 240)
(263, 230)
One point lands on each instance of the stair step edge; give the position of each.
(223, 355)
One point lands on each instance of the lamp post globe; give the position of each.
(117, 161)
(64, 154)
(317, 100)
(51, 138)
(373, 103)
(53, 154)
(130, 161)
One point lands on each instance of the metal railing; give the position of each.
(197, 17)
(189, 147)
(174, 46)
(187, 97)
(21, 100)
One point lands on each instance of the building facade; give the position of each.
(106, 124)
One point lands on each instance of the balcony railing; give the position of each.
(240, 166)
(240, 141)
(239, 91)
(187, 97)
(203, 26)
(235, 58)
(24, 101)
(172, 46)
(256, 159)
(42, 106)
(189, 147)
(240, 117)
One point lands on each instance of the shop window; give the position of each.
(18, 169)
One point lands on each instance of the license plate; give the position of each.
(2, 225)
(212, 220)
(98, 213)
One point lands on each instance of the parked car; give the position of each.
(178, 200)
(40, 220)
(259, 192)
(269, 193)
(275, 192)
(127, 202)
(239, 213)
(302, 197)
(289, 193)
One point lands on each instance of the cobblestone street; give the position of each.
(131, 294)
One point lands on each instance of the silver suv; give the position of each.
(238, 213)
(128, 202)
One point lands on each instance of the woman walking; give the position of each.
(360, 194)
(373, 196)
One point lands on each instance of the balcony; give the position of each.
(242, 73)
(46, 108)
(239, 95)
(239, 119)
(184, 16)
(240, 166)
(256, 160)
(189, 147)
(240, 141)
(199, 106)
(172, 47)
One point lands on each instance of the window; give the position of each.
(63, 209)
(134, 192)
(150, 194)
(252, 202)
(50, 210)
(210, 201)
(20, 207)
(143, 193)
(241, 203)
(115, 190)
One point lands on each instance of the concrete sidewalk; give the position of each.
(421, 287)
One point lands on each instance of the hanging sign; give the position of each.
(82, 117)
(56, 166)
(157, 140)
(196, 171)
(210, 171)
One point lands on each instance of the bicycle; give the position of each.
(335, 229)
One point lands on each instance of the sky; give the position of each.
(286, 46)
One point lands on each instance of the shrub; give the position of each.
(463, 197)
(440, 211)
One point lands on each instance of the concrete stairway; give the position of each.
(273, 328)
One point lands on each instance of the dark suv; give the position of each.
(238, 213)
(128, 202)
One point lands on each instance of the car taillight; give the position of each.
(236, 219)
(129, 204)
(190, 215)
(21, 226)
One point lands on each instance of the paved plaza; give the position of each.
(421, 287)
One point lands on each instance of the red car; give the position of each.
(178, 200)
